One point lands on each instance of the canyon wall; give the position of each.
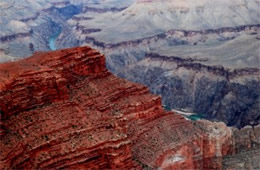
(217, 93)
(64, 109)
(30, 29)
(180, 64)
(205, 67)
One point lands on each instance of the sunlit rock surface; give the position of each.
(64, 109)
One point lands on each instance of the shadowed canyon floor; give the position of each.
(64, 109)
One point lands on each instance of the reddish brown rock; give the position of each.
(64, 109)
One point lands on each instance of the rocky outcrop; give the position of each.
(64, 109)
(62, 113)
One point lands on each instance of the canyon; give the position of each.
(176, 48)
(28, 26)
(64, 109)
(215, 92)
(75, 108)
(198, 62)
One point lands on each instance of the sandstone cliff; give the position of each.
(64, 109)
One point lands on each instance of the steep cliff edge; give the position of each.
(64, 109)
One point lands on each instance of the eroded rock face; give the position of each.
(218, 93)
(64, 109)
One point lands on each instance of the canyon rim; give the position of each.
(133, 84)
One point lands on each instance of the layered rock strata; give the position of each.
(216, 92)
(64, 109)
(174, 37)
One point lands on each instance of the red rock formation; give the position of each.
(64, 109)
